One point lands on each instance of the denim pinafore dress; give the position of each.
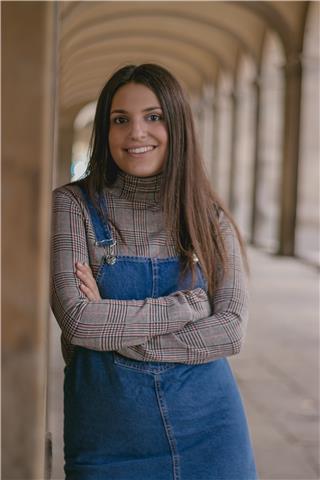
(133, 420)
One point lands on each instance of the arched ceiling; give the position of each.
(194, 40)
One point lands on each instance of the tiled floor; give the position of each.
(277, 371)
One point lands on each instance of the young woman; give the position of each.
(149, 289)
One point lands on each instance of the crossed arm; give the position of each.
(183, 327)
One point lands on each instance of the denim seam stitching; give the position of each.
(155, 276)
(137, 258)
(168, 429)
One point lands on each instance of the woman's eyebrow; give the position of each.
(119, 110)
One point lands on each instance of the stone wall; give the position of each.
(28, 97)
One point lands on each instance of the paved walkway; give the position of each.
(277, 371)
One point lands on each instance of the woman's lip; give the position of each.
(140, 153)
(140, 146)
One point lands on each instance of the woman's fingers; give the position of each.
(84, 273)
(88, 284)
(88, 293)
(84, 268)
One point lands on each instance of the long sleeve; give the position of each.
(106, 324)
(220, 334)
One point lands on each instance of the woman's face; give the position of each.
(138, 137)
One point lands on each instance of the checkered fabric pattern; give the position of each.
(185, 327)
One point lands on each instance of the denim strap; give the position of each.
(100, 226)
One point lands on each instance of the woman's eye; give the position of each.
(119, 120)
(154, 117)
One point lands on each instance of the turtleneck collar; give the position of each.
(138, 189)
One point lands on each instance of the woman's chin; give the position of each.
(142, 172)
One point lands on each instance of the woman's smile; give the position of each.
(140, 150)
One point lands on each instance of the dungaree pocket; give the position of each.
(141, 366)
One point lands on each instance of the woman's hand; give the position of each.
(88, 284)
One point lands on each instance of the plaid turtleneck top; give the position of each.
(185, 327)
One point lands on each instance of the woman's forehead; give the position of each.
(134, 96)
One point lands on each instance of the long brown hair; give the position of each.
(190, 206)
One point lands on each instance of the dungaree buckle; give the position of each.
(109, 257)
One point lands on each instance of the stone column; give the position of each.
(224, 127)
(29, 39)
(255, 179)
(207, 127)
(291, 149)
(233, 153)
(215, 146)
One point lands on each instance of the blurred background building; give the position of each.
(251, 70)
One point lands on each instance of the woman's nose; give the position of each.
(137, 130)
